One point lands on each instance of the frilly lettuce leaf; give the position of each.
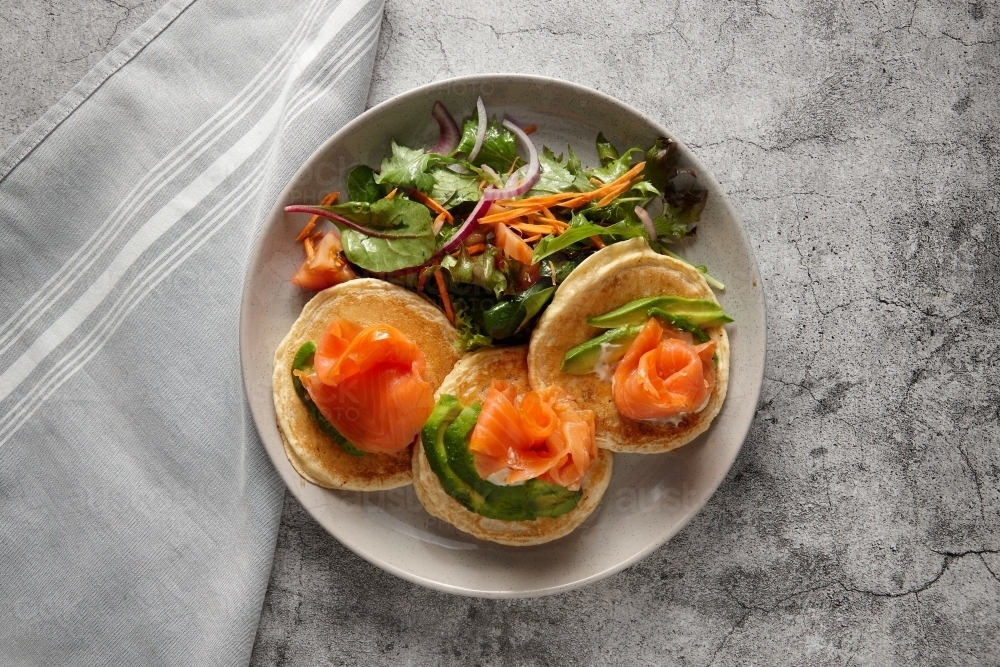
(499, 149)
(479, 270)
(556, 177)
(451, 189)
(470, 335)
(408, 168)
(614, 169)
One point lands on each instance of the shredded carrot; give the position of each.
(433, 205)
(531, 129)
(307, 229)
(307, 243)
(579, 201)
(391, 194)
(532, 239)
(596, 240)
(445, 300)
(504, 216)
(611, 195)
(476, 249)
(586, 198)
(627, 176)
(509, 209)
(625, 180)
(482, 185)
(541, 219)
(596, 181)
(533, 229)
(574, 199)
(540, 200)
(329, 199)
(421, 281)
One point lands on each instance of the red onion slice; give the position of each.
(450, 134)
(312, 210)
(489, 170)
(531, 175)
(480, 131)
(466, 228)
(647, 222)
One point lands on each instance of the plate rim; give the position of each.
(477, 80)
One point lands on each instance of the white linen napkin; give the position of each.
(138, 510)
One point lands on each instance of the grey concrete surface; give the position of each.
(861, 523)
(46, 46)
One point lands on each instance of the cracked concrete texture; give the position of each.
(861, 522)
(46, 46)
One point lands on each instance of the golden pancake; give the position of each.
(367, 302)
(609, 279)
(469, 382)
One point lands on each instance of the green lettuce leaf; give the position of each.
(549, 245)
(480, 270)
(661, 160)
(713, 282)
(556, 177)
(396, 215)
(408, 168)
(555, 269)
(380, 255)
(499, 149)
(685, 207)
(613, 169)
(573, 163)
(512, 314)
(684, 204)
(451, 189)
(668, 228)
(361, 185)
(622, 208)
(606, 152)
(470, 335)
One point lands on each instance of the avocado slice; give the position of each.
(584, 357)
(303, 361)
(702, 312)
(432, 434)
(681, 324)
(445, 440)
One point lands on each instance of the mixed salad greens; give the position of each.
(489, 234)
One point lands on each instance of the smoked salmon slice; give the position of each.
(369, 383)
(541, 435)
(663, 375)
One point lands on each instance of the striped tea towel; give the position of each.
(138, 510)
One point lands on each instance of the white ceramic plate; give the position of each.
(650, 497)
